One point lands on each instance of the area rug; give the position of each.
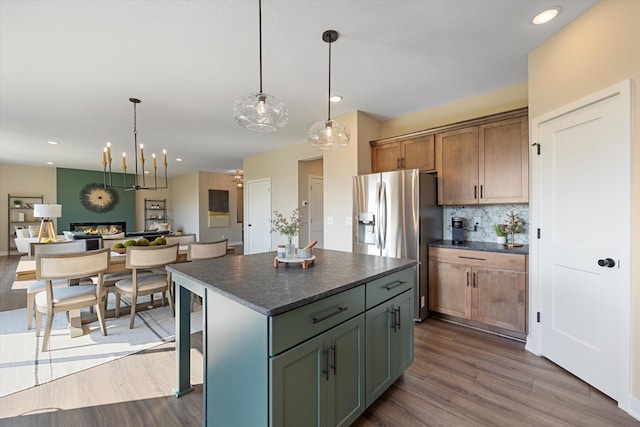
(24, 365)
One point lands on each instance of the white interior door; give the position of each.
(258, 216)
(316, 210)
(584, 205)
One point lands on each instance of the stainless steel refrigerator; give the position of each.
(396, 215)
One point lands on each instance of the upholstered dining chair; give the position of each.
(38, 286)
(50, 267)
(146, 257)
(207, 250)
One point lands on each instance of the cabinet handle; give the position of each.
(399, 321)
(325, 370)
(394, 284)
(397, 162)
(325, 317)
(481, 191)
(470, 257)
(475, 192)
(404, 164)
(475, 282)
(334, 348)
(394, 323)
(467, 279)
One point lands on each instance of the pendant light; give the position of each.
(259, 111)
(329, 134)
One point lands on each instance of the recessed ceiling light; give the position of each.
(178, 159)
(335, 98)
(546, 16)
(52, 142)
(49, 163)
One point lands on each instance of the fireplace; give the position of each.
(95, 228)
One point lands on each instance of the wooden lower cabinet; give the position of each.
(484, 287)
(389, 343)
(321, 382)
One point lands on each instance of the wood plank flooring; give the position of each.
(460, 377)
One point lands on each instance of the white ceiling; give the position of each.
(68, 68)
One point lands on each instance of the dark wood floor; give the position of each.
(460, 377)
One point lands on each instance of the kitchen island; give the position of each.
(294, 346)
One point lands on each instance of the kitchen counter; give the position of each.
(253, 281)
(258, 320)
(481, 246)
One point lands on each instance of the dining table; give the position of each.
(26, 271)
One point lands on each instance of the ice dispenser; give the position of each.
(366, 228)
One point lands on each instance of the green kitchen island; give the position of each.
(289, 346)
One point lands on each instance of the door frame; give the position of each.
(623, 90)
(310, 179)
(248, 207)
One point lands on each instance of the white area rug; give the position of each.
(24, 365)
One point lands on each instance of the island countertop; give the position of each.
(253, 281)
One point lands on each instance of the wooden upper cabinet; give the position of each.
(486, 163)
(458, 166)
(417, 152)
(504, 161)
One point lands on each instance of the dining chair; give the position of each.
(181, 240)
(68, 266)
(207, 250)
(38, 286)
(146, 257)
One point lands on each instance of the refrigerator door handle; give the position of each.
(377, 219)
(383, 216)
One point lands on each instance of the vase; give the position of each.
(501, 240)
(289, 251)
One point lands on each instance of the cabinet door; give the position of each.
(299, 386)
(457, 164)
(345, 392)
(499, 298)
(419, 153)
(449, 288)
(504, 161)
(402, 338)
(379, 331)
(385, 157)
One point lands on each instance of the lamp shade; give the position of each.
(328, 135)
(47, 211)
(260, 112)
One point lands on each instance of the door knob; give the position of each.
(608, 262)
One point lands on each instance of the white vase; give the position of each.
(501, 240)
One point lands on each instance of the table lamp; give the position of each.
(47, 212)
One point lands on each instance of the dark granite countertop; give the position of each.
(481, 246)
(253, 281)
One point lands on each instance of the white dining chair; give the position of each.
(69, 266)
(207, 250)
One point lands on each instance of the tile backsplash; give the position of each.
(489, 215)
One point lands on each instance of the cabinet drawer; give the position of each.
(293, 327)
(515, 262)
(387, 287)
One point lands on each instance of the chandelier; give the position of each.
(138, 184)
(329, 134)
(238, 178)
(259, 111)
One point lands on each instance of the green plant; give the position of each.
(287, 226)
(499, 231)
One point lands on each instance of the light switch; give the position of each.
(329, 220)
(349, 221)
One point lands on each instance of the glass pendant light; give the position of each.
(329, 134)
(259, 111)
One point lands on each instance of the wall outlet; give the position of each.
(477, 222)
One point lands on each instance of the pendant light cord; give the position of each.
(260, 38)
(329, 97)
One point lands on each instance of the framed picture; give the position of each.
(218, 208)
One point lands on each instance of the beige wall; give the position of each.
(24, 181)
(509, 98)
(306, 168)
(185, 205)
(216, 181)
(597, 50)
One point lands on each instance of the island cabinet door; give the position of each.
(320, 382)
(389, 343)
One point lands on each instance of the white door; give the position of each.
(584, 205)
(316, 210)
(258, 216)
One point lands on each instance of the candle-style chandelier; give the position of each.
(138, 184)
(238, 178)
